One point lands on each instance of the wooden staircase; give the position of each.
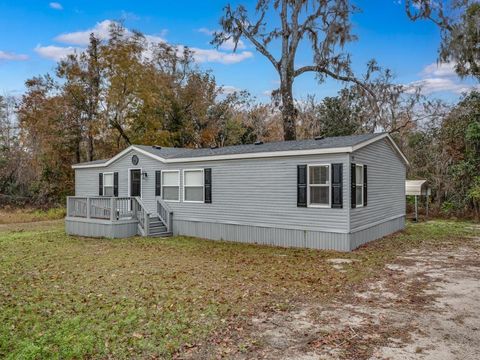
(157, 228)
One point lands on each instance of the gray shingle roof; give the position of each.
(326, 143)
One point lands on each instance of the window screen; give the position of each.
(319, 185)
(193, 185)
(171, 185)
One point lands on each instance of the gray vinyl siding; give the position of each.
(264, 235)
(261, 192)
(288, 237)
(101, 228)
(86, 180)
(386, 185)
(255, 200)
(376, 231)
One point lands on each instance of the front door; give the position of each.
(135, 182)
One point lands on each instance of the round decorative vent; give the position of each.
(134, 159)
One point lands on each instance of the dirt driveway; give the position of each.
(424, 305)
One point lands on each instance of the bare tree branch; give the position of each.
(323, 70)
(257, 44)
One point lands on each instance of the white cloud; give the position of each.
(440, 70)
(56, 6)
(212, 55)
(82, 38)
(433, 85)
(56, 52)
(154, 39)
(101, 30)
(228, 45)
(267, 93)
(12, 57)
(440, 78)
(127, 15)
(228, 89)
(205, 31)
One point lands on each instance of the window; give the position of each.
(319, 185)
(359, 185)
(171, 185)
(108, 184)
(193, 185)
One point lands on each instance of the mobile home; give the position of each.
(331, 193)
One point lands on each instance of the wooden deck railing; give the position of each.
(142, 215)
(100, 207)
(109, 208)
(165, 214)
(77, 206)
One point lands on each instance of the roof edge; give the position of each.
(383, 136)
(346, 149)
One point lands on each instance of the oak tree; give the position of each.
(324, 25)
(459, 23)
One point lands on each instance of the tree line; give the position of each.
(129, 90)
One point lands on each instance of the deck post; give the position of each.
(134, 205)
(147, 223)
(88, 207)
(112, 208)
(170, 222)
(68, 205)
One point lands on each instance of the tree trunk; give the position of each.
(289, 113)
(122, 133)
(90, 148)
(78, 153)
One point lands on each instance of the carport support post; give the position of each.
(426, 208)
(416, 208)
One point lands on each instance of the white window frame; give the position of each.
(203, 186)
(329, 205)
(178, 185)
(359, 185)
(113, 183)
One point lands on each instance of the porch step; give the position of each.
(157, 228)
(161, 234)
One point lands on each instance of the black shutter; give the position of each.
(208, 185)
(365, 187)
(115, 184)
(158, 183)
(353, 186)
(302, 185)
(337, 186)
(100, 184)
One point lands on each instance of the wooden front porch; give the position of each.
(116, 217)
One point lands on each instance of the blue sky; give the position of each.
(35, 33)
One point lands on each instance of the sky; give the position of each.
(35, 34)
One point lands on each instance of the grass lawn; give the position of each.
(68, 297)
(12, 216)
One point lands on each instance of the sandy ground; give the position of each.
(426, 305)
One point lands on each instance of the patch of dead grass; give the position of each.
(147, 297)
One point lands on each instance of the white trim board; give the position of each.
(339, 150)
